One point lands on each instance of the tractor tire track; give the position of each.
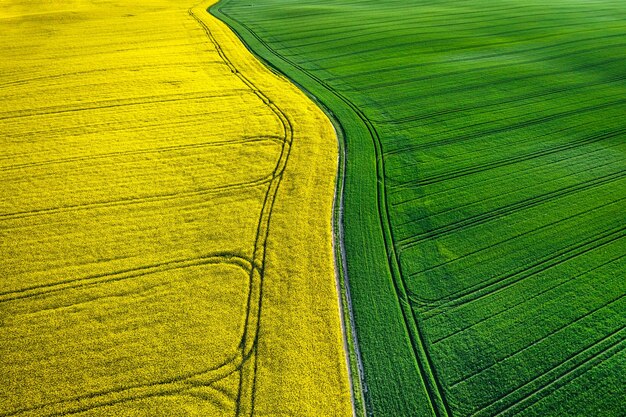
(233, 364)
(536, 342)
(246, 394)
(508, 128)
(496, 179)
(511, 208)
(509, 100)
(97, 279)
(524, 301)
(504, 65)
(165, 149)
(559, 376)
(108, 104)
(485, 289)
(430, 304)
(136, 200)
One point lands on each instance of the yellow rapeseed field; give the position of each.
(165, 220)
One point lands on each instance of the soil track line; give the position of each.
(249, 344)
(351, 347)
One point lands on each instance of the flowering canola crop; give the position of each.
(165, 220)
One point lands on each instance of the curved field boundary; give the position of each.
(357, 128)
(354, 361)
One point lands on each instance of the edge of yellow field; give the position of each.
(300, 106)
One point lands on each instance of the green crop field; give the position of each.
(484, 203)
